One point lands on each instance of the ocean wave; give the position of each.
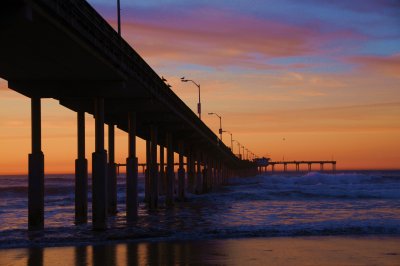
(316, 185)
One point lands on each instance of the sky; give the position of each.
(293, 80)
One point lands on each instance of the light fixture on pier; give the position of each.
(183, 79)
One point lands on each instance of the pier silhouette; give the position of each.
(66, 51)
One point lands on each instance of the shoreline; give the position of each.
(299, 250)
(104, 239)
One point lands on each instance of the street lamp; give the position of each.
(231, 139)
(247, 154)
(198, 86)
(243, 151)
(220, 124)
(238, 147)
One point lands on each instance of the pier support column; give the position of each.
(36, 171)
(112, 172)
(191, 171)
(169, 198)
(321, 167)
(153, 169)
(309, 167)
(221, 173)
(162, 182)
(147, 172)
(81, 174)
(99, 171)
(181, 173)
(205, 175)
(199, 175)
(131, 171)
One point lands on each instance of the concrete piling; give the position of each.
(153, 169)
(112, 172)
(162, 179)
(99, 171)
(81, 173)
(36, 171)
(181, 174)
(199, 175)
(147, 172)
(131, 171)
(169, 198)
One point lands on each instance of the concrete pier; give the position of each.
(131, 171)
(81, 173)
(297, 165)
(169, 198)
(107, 85)
(36, 171)
(112, 172)
(153, 168)
(181, 174)
(99, 171)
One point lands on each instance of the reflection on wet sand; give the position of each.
(247, 251)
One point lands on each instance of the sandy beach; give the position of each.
(246, 251)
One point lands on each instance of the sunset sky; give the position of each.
(303, 80)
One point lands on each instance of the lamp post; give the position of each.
(243, 151)
(119, 17)
(231, 139)
(220, 124)
(238, 147)
(198, 86)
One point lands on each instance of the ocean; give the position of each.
(348, 203)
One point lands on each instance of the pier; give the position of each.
(66, 51)
(297, 165)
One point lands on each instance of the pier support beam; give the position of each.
(199, 176)
(112, 172)
(191, 171)
(36, 171)
(153, 169)
(162, 179)
(131, 171)
(205, 175)
(181, 173)
(147, 172)
(99, 171)
(81, 174)
(169, 198)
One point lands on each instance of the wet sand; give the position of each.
(246, 251)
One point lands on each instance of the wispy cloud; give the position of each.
(220, 38)
(386, 65)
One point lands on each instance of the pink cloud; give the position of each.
(387, 65)
(223, 38)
